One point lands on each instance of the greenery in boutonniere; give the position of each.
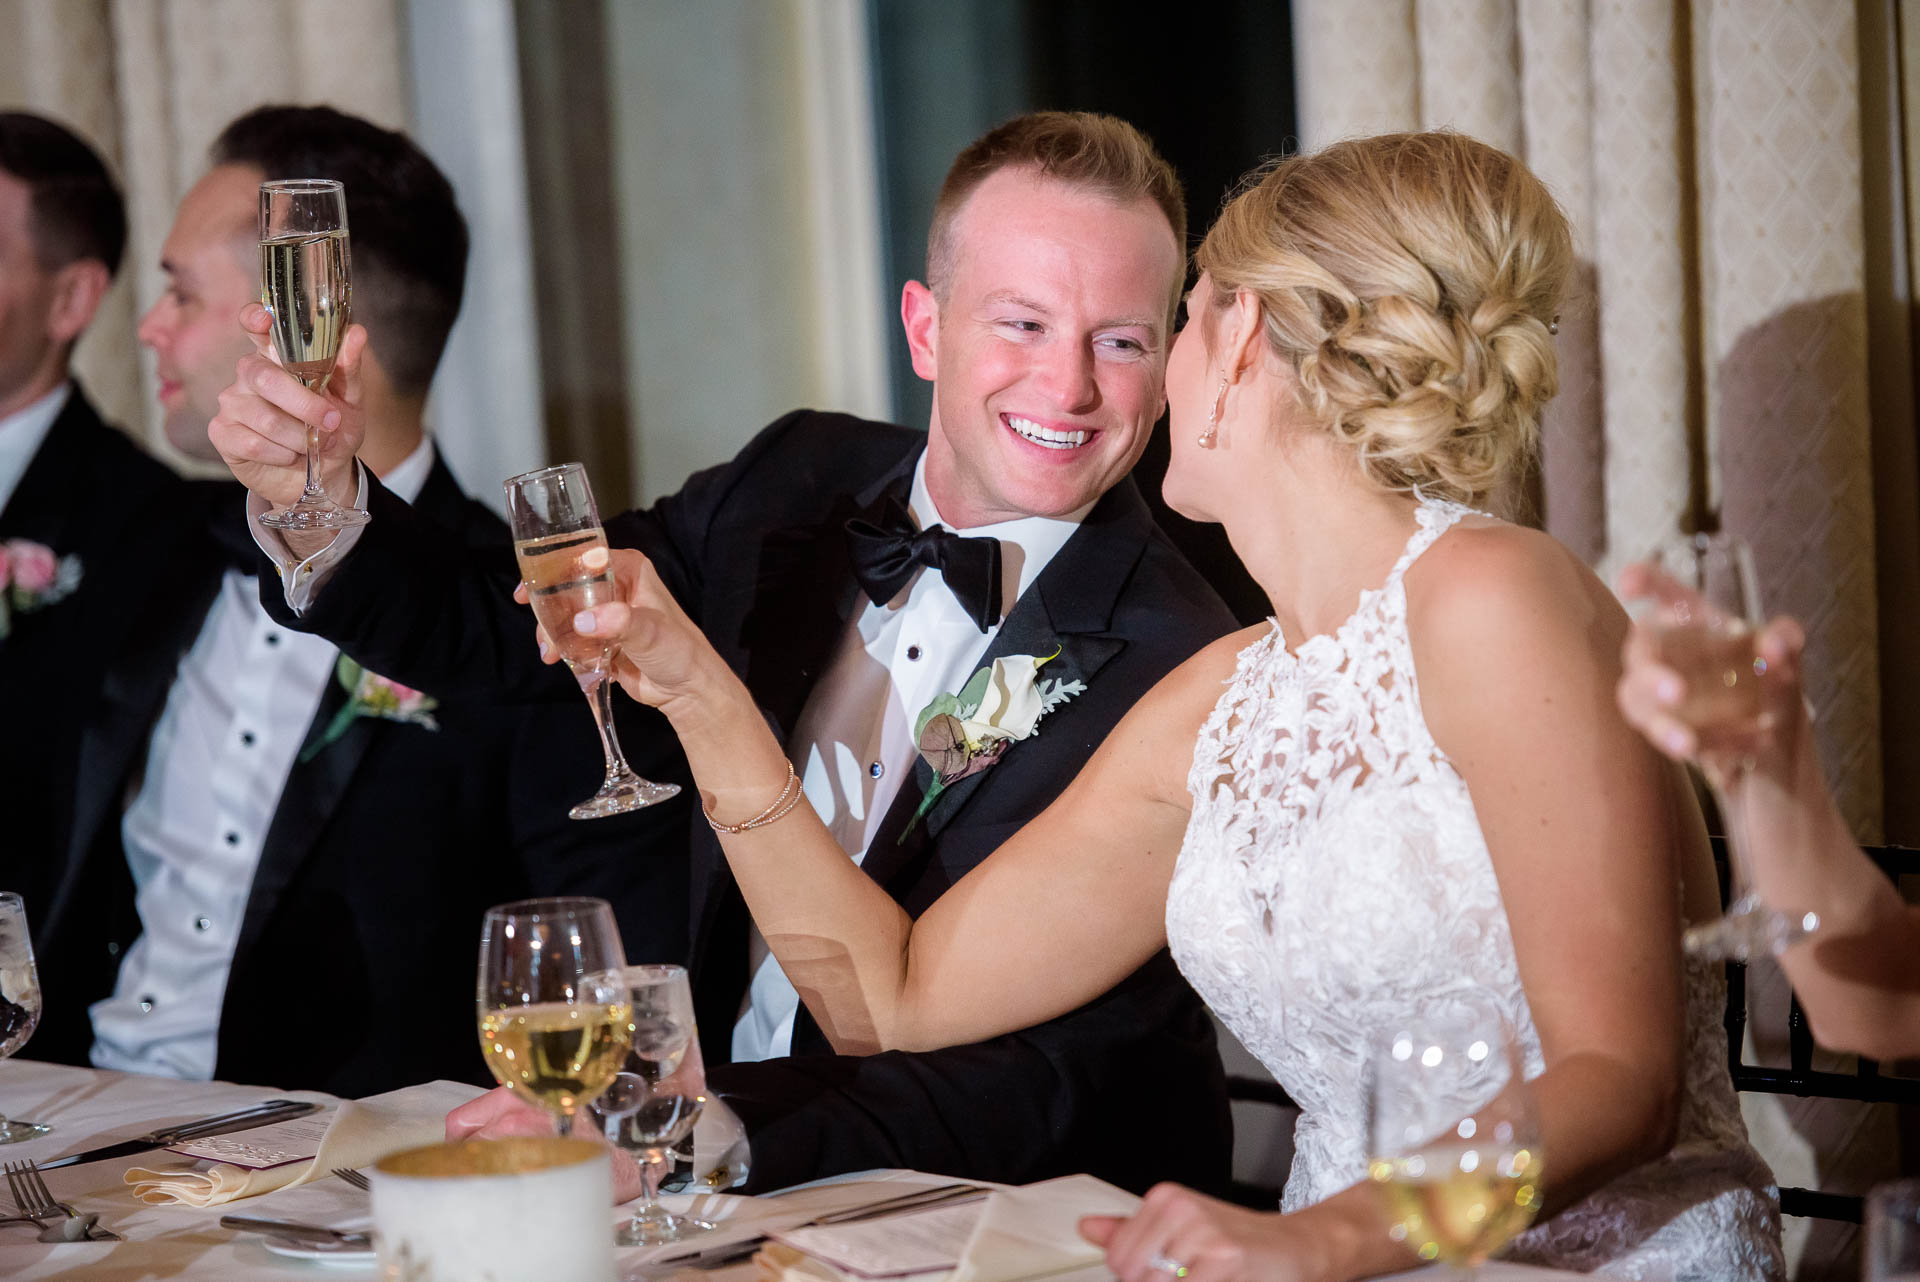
(371, 695)
(962, 734)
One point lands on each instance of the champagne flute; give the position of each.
(554, 1019)
(1455, 1145)
(305, 281)
(563, 560)
(1712, 647)
(656, 1099)
(19, 1000)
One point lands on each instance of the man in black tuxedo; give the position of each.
(276, 864)
(76, 496)
(1055, 262)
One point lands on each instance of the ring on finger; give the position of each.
(1168, 1265)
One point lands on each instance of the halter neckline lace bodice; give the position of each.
(1334, 877)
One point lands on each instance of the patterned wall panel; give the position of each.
(1639, 204)
(1556, 101)
(1469, 69)
(1785, 337)
(1356, 68)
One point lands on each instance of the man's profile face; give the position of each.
(26, 296)
(1049, 352)
(211, 262)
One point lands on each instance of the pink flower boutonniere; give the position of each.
(963, 734)
(32, 578)
(372, 695)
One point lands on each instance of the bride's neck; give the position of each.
(1314, 533)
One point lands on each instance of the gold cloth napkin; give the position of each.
(362, 1132)
(1026, 1232)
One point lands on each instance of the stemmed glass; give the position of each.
(656, 1099)
(1712, 648)
(306, 282)
(554, 1019)
(563, 559)
(19, 1000)
(1455, 1146)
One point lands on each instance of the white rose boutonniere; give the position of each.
(963, 734)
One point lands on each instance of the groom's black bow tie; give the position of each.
(887, 551)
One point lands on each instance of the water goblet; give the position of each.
(19, 1000)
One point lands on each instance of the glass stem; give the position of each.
(313, 492)
(653, 1169)
(600, 699)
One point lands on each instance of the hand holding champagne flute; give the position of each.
(306, 283)
(564, 564)
(555, 1021)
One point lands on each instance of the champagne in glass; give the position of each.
(306, 282)
(553, 1010)
(564, 562)
(19, 1000)
(655, 1101)
(1712, 647)
(1456, 1155)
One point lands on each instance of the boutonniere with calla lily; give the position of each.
(962, 734)
(32, 578)
(371, 695)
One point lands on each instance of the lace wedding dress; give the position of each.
(1334, 878)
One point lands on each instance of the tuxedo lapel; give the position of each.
(1067, 610)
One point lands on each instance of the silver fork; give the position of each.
(353, 1177)
(35, 1200)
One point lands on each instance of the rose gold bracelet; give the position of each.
(790, 795)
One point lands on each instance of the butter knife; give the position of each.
(318, 1234)
(725, 1253)
(224, 1124)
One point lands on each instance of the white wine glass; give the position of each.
(564, 563)
(554, 1020)
(306, 281)
(656, 1098)
(1455, 1150)
(1712, 647)
(19, 1000)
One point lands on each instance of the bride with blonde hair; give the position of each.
(1412, 779)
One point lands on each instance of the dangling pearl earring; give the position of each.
(1212, 433)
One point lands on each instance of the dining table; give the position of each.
(88, 1108)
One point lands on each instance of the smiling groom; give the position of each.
(996, 579)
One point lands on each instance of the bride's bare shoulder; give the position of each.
(1488, 591)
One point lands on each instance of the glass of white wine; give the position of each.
(1712, 646)
(564, 562)
(554, 1017)
(306, 281)
(1455, 1145)
(19, 1000)
(656, 1098)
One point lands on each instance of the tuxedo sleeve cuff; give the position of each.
(302, 579)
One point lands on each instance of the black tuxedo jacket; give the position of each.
(755, 551)
(354, 968)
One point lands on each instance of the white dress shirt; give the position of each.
(220, 754)
(853, 745)
(21, 434)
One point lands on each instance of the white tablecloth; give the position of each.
(88, 1108)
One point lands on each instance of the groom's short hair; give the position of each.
(1082, 149)
(75, 210)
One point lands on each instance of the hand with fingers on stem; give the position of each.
(500, 1114)
(1178, 1234)
(261, 430)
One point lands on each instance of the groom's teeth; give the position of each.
(1039, 435)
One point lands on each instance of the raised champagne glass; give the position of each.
(1454, 1143)
(564, 563)
(19, 1000)
(306, 282)
(555, 1022)
(656, 1098)
(1712, 647)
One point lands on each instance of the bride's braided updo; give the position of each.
(1409, 280)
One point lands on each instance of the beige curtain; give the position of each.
(150, 83)
(1722, 185)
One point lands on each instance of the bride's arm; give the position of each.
(1517, 650)
(1068, 907)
